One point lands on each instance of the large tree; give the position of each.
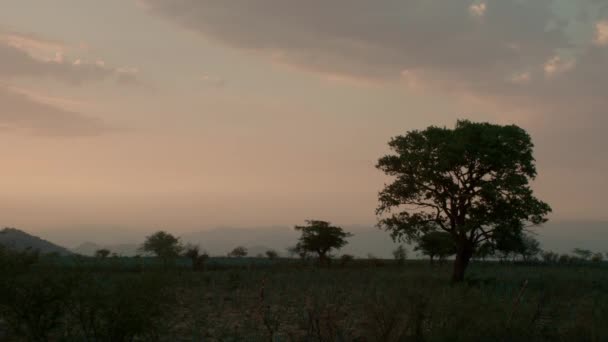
(321, 237)
(471, 182)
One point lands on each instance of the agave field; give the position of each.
(287, 300)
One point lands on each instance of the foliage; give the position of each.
(102, 253)
(400, 254)
(471, 181)
(321, 237)
(550, 257)
(272, 254)
(163, 245)
(597, 257)
(197, 258)
(436, 244)
(584, 254)
(238, 252)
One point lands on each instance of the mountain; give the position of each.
(20, 240)
(558, 236)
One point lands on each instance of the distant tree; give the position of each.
(346, 259)
(550, 257)
(321, 237)
(400, 254)
(298, 250)
(238, 252)
(272, 254)
(197, 258)
(163, 245)
(102, 253)
(484, 251)
(530, 248)
(436, 244)
(471, 182)
(583, 254)
(597, 257)
(565, 259)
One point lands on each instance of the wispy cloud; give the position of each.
(23, 111)
(430, 45)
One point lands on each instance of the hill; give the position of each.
(20, 240)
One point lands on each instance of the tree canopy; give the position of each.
(436, 244)
(472, 182)
(163, 245)
(238, 252)
(321, 237)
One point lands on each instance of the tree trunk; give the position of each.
(463, 256)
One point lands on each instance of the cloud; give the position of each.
(478, 10)
(28, 55)
(213, 81)
(524, 59)
(22, 112)
(556, 65)
(601, 33)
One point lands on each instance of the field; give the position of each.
(257, 300)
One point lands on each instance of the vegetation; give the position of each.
(321, 237)
(163, 245)
(238, 252)
(436, 244)
(400, 254)
(461, 192)
(44, 299)
(471, 182)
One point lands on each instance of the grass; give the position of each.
(292, 302)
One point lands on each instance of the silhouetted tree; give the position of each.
(271, 254)
(583, 254)
(163, 245)
(484, 251)
(197, 258)
(436, 244)
(400, 254)
(530, 248)
(550, 257)
(470, 181)
(297, 250)
(102, 253)
(238, 252)
(597, 257)
(321, 237)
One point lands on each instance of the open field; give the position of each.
(291, 301)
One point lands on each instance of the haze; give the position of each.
(192, 114)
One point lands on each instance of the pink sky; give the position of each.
(187, 114)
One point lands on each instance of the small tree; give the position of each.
(436, 244)
(530, 248)
(400, 254)
(550, 257)
(102, 253)
(583, 254)
(163, 245)
(272, 254)
(321, 237)
(471, 181)
(238, 252)
(197, 258)
(484, 251)
(597, 257)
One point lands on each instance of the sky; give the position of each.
(185, 114)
